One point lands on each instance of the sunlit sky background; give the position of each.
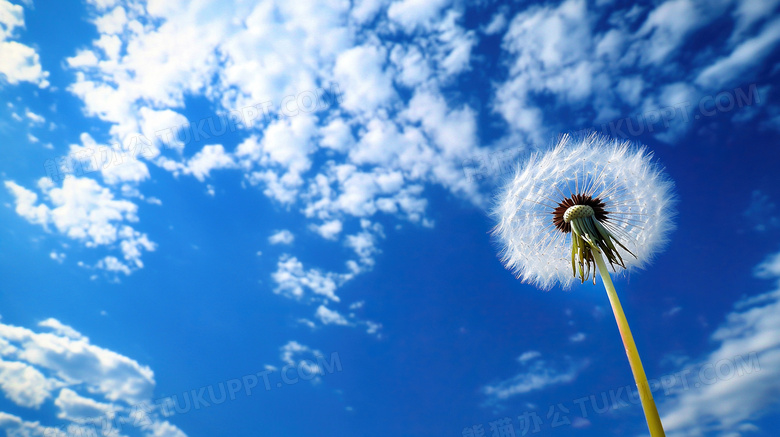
(197, 192)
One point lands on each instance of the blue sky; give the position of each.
(264, 218)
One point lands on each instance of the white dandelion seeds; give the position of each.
(627, 209)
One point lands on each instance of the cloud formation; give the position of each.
(20, 62)
(84, 211)
(731, 406)
(536, 374)
(89, 386)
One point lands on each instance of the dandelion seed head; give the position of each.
(613, 183)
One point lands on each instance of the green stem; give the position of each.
(648, 405)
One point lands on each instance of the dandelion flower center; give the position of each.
(596, 205)
(584, 217)
(578, 211)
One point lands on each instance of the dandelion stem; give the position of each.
(648, 404)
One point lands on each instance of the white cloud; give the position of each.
(208, 159)
(364, 242)
(672, 311)
(343, 189)
(83, 381)
(112, 22)
(328, 230)
(102, 5)
(75, 361)
(740, 389)
(748, 12)
(413, 13)
(337, 135)
(255, 57)
(24, 385)
(25, 204)
(536, 375)
(284, 153)
(560, 59)
(761, 213)
(84, 58)
(293, 279)
(85, 211)
(74, 406)
(330, 317)
(414, 68)
(281, 48)
(112, 264)
(61, 329)
(548, 50)
(302, 357)
(370, 83)
(163, 428)
(452, 54)
(365, 10)
(745, 56)
(15, 426)
(769, 268)
(19, 62)
(453, 130)
(666, 28)
(630, 89)
(530, 355)
(307, 322)
(373, 328)
(291, 349)
(11, 17)
(497, 24)
(34, 118)
(118, 163)
(163, 127)
(282, 237)
(671, 95)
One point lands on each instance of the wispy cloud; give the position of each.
(281, 237)
(536, 374)
(761, 212)
(731, 406)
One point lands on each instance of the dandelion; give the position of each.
(564, 212)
